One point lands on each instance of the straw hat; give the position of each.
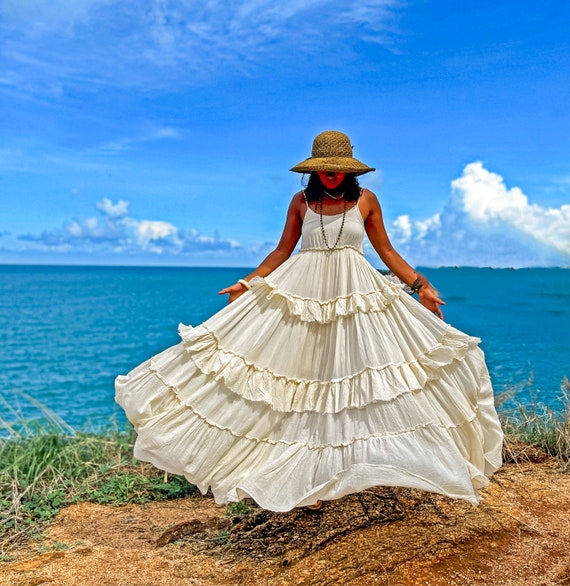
(332, 151)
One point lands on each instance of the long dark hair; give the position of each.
(314, 191)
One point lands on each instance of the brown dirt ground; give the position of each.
(519, 534)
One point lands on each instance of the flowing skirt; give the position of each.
(309, 387)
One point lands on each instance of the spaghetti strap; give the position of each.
(358, 203)
(306, 203)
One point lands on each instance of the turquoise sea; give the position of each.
(66, 332)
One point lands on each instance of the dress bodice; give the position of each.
(352, 231)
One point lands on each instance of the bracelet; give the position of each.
(244, 283)
(416, 285)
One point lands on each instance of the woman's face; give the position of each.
(330, 179)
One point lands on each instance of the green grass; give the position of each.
(223, 537)
(46, 465)
(536, 423)
(237, 509)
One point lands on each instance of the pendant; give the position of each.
(335, 197)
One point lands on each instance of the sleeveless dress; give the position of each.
(324, 379)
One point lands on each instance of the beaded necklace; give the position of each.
(325, 242)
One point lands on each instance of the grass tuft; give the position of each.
(46, 465)
(223, 537)
(541, 425)
(237, 509)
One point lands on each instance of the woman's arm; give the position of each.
(286, 245)
(374, 225)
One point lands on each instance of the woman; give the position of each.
(321, 377)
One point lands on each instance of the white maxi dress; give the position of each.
(324, 379)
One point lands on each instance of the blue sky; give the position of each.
(162, 131)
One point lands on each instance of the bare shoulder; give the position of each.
(299, 197)
(298, 203)
(368, 196)
(369, 203)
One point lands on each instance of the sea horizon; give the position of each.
(247, 267)
(68, 330)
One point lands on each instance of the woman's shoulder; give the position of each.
(368, 200)
(367, 195)
(298, 200)
(297, 205)
(299, 196)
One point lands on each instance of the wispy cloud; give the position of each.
(34, 155)
(128, 142)
(486, 223)
(61, 16)
(115, 41)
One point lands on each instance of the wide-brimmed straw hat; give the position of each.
(332, 151)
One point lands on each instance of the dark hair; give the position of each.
(315, 188)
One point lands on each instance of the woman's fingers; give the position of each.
(231, 289)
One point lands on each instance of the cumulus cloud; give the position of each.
(487, 201)
(115, 232)
(486, 223)
(118, 210)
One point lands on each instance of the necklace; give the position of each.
(323, 227)
(335, 197)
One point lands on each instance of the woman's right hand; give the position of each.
(234, 291)
(429, 298)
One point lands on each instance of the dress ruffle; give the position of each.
(284, 393)
(322, 380)
(308, 309)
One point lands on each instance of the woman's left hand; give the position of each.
(428, 297)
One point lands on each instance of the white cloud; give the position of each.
(166, 133)
(116, 233)
(125, 143)
(60, 16)
(149, 230)
(432, 224)
(115, 41)
(486, 200)
(118, 210)
(486, 223)
(156, 236)
(402, 228)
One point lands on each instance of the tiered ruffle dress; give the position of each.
(323, 380)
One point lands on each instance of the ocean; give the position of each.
(67, 332)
